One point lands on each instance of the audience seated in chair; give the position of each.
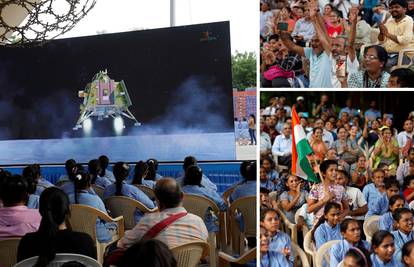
(169, 201)
(16, 219)
(141, 171)
(121, 188)
(205, 181)
(82, 183)
(192, 185)
(52, 236)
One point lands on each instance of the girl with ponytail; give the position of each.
(141, 172)
(52, 236)
(327, 227)
(121, 188)
(82, 183)
(95, 169)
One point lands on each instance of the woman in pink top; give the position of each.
(16, 219)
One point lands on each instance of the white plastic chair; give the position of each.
(299, 254)
(323, 253)
(190, 254)
(60, 259)
(370, 226)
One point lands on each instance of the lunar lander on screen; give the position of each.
(104, 98)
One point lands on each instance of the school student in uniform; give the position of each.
(327, 228)
(351, 233)
(121, 188)
(386, 221)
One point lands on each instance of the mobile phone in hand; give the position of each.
(282, 26)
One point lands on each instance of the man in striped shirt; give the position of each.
(188, 228)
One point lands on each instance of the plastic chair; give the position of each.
(190, 254)
(198, 205)
(8, 251)
(370, 226)
(60, 259)
(323, 253)
(290, 228)
(83, 219)
(401, 53)
(225, 260)
(225, 235)
(299, 255)
(309, 246)
(147, 190)
(99, 190)
(125, 206)
(245, 206)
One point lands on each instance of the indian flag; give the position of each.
(300, 149)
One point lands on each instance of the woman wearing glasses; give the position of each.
(373, 75)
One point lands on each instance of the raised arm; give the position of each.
(285, 37)
(353, 17)
(319, 26)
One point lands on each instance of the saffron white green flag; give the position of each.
(300, 149)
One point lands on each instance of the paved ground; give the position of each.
(245, 152)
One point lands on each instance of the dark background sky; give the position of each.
(173, 75)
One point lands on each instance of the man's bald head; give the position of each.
(168, 193)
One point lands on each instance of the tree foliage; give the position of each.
(243, 70)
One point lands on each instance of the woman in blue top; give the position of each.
(351, 233)
(120, 188)
(373, 191)
(293, 198)
(141, 172)
(33, 171)
(404, 224)
(386, 221)
(192, 185)
(383, 249)
(279, 242)
(82, 182)
(327, 228)
(270, 258)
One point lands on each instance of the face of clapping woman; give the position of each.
(371, 61)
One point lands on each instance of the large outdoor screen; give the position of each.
(163, 93)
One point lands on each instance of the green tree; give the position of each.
(243, 70)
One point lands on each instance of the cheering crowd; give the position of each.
(337, 43)
(364, 165)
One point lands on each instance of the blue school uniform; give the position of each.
(149, 183)
(371, 195)
(33, 201)
(380, 207)
(246, 189)
(386, 221)
(338, 251)
(102, 182)
(208, 193)
(325, 233)
(131, 192)
(205, 181)
(279, 242)
(269, 185)
(399, 240)
(109, 176)
(69, 188)
(42, 184)
(274, 259)
(102, 228)
(377, 262)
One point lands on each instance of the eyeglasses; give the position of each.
(370, 57)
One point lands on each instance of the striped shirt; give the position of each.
(189, 228)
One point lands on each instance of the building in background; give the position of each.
(244, 103)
